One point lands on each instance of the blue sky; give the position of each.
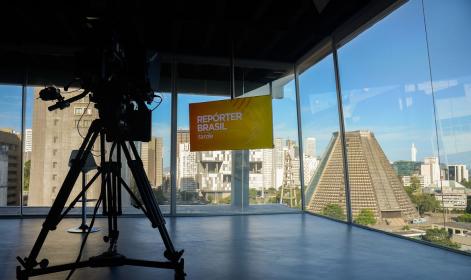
(385, 83)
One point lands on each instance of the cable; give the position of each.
(82, 246)
(158, 104)
(434, 105)
(78, 129)
(72, 91)
(80, 119)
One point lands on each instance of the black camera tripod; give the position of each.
(110, 197)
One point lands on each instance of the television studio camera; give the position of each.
(120, 78)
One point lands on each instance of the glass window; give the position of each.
(155, 154)
(322, 150)
(202, 177)
(78, 111)
(450, 59)
(247, 179)
(393, 161)
(52, 137)
(10, 149)
(274, 174)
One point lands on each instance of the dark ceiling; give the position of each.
(41, 37)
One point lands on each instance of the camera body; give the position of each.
(115, 72)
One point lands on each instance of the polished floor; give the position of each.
(289, 246)
(186, 210)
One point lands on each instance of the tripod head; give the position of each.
(120, 76)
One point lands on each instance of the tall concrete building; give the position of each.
(278, 162)
(3, 175)
(187, 169)
(55, 135)
(373, 183)
(261, 168)
(183, 136)
(267, 168)
(152, 159)
(10, 168)
(186, 163)
(310, 149)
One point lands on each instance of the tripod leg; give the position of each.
(108, 186)
(149, 201)
(54, 215)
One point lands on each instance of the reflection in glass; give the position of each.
(202, 177)
(395, 172)
(323, 161)
(274, 176)
(448, 42)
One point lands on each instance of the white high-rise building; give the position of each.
(310, 149)
(187, 169)
(214, 170)
(431, 171)
(413, 153)
(278, 162)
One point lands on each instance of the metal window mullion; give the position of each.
(342, 132)
(300, 137)
(173, 140)
(22, 142)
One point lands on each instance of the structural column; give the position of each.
(240, 179)
(173, 140)
(342, 133)
(300, 139)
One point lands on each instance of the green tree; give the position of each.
(226, 200)
(466, 218)
(159, 195)
(27, 171)
(252, 193)
(333, 211)
(365, 217)
(440, 237)
(413, 187)
(466, 183)
(188, 196)
(425, 203)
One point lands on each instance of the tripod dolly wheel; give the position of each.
(180, 275)
(179, 270)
